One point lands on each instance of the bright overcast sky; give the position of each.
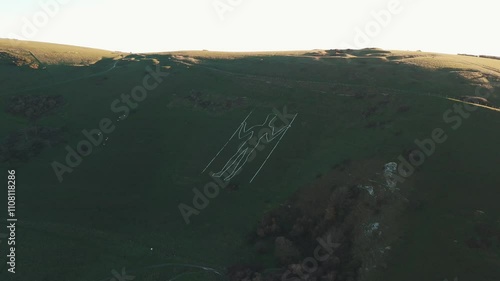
(446, 26)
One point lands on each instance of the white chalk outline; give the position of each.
(287, 127)
(243, 132)
(239, 153)
(226, 142)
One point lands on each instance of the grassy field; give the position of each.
(356, 111)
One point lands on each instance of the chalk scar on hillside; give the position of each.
(247, 148)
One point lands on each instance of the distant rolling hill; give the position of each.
(389, 158)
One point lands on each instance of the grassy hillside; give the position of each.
(355, 111)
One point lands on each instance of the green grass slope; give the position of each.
(356, 111)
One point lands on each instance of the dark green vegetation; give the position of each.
(357, 110)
